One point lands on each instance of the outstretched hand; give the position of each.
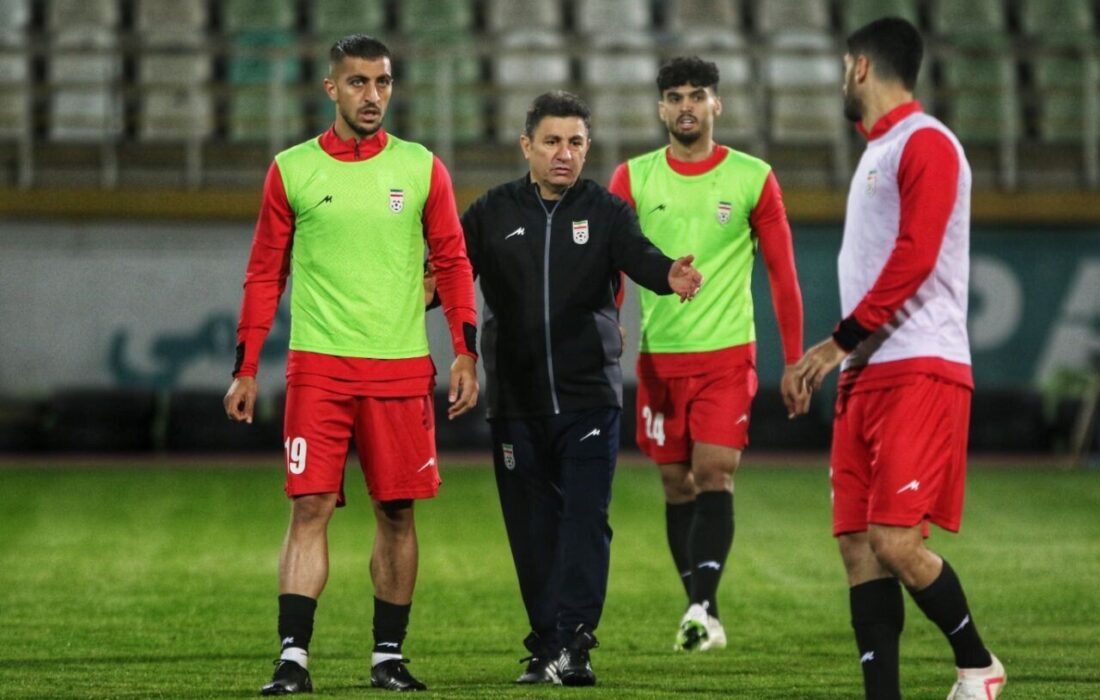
(818, 361)
(684, 279)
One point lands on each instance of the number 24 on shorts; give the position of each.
(295, 454)
(654, 426)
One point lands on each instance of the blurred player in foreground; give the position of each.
(903, 402)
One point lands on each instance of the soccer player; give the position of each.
(549, 248)
(697, 367)
(348, 213)
(903, 403)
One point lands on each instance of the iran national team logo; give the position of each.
(397, 201)
(580, 232)
(509, 455)
(871, 176)
(724, 209)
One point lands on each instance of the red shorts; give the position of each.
(899, 455)
(394, 437)
(674, 413)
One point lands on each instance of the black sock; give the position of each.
(878, 616)
(296, 620)
(390, 623)
(711, 537)
(678, 517)
(944, 602)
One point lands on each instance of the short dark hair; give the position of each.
(357, 46)
(557, 103)
(894, 47)
(687, 70)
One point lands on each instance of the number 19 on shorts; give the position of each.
(295, 454)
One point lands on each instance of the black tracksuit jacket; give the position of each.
(549, 274)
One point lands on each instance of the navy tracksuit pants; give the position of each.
(554, 478)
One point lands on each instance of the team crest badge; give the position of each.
(871, 176)
(397, 201)
(509, 455)
(580, 232)
(724, 209)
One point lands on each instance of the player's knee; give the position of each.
(313, 510)
(714, 474)
(678, 485)
(395, 518)
(895, 553)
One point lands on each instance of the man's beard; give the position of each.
(360, 131)
(685, 139)
(853, 109)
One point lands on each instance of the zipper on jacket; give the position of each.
(546, 296)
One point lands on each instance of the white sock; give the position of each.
(378, 657)
(296, 654)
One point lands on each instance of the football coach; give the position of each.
(550, 250)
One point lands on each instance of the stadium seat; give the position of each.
(89, 114)
(258, 15)
(15, 113)
(333, 19)
(263, 57)
(1061, 83)
(524, 66)
(176, 115)
(776, 16)
(688, 17)
(970, 21)
(429, 109)
(619, 77)
(804, 76)
(15, 92)
(506, 17)
(982, 90)
(450, 21)
(177, 68)
(15, 17)
(597, 17)
(171, 22)
(1057, 22)
(73, 22)
(857, 13)
(257, 114)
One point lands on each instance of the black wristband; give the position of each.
(848, 334)
(240, 359)
(469, 334)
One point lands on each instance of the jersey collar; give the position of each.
(351, 150)
(683, 167)
(888, 120)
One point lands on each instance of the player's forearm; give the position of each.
(769, 222)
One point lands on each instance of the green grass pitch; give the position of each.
(135, 582)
